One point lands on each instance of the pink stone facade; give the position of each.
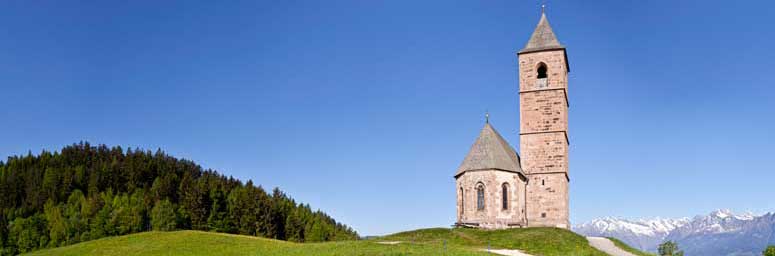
(543, 139)
(547, 200)
(493, 215)
(544, 111)
(544, 152)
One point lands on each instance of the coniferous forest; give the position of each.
(86, 192)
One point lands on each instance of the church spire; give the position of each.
(543, 37)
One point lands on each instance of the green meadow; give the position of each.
(434, 241)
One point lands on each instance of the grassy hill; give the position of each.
(436, 241)
(629, 248)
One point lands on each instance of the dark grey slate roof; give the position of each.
(490, 151)
(543, 38)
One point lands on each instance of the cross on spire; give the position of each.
(487, 117)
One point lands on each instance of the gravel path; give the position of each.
(508, 252)
(389, 242)
(605, 245)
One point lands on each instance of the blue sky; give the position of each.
(364, 109)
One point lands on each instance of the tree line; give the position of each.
(86, 192)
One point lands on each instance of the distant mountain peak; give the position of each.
(722, 213)
(726, 213)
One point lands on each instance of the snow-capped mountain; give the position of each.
(724, 233)
(645, 234)
(719, 233)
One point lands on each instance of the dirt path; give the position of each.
(605, 245)
(389, 242)
(507, 252)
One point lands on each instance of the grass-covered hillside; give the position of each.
(629, 248)
(536, 241)
(86, 192)
(437, 241)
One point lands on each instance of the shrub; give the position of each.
(669, 248)
(770, 251)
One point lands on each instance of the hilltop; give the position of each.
(435, 241)
(86, 192)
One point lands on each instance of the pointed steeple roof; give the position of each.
(490, 151)
(543, 37)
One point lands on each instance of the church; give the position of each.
(496, 187)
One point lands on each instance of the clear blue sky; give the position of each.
(364, 109)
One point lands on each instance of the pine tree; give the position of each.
(27, 234)
(163, 216)
(56, 224)
(218, 221)
(76, 223)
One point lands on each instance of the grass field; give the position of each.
(436, 241)
(628, 248)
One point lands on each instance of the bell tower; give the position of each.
(543, 129)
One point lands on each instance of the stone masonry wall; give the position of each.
(543, 140)
(544, 152)
(543, 111)
(493, 216)
(547, 200)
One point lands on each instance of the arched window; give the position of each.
(505, 197)
(462, 202)
(541, 70)
(480, 196)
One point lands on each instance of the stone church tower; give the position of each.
(543, 127)
(498, 189)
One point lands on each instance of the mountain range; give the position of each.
(719, 233)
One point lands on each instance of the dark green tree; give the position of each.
(316, 232)
(163, 216)
(76, 224)
(102, 224)
(669, 248)
(769, 251)
(27, 234)
(294, 227)
(193, 200)
(243, 208)
(57, 227)
(218, 221)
